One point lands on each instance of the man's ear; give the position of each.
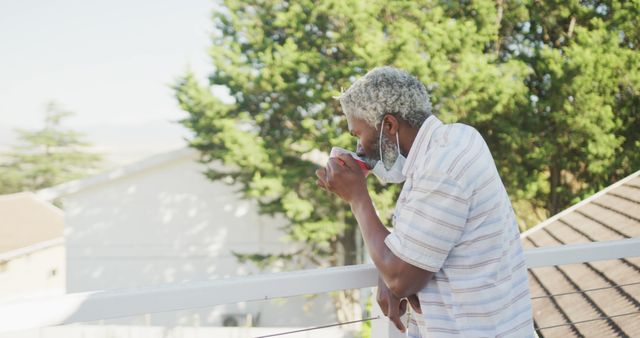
(390, 124)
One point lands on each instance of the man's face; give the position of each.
(369, 143)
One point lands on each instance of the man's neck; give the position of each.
(407, 135)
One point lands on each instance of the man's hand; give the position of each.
(394, 307)
(343, 176)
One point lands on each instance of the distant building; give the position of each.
(613, 213)
(159, 221)
(32, 253)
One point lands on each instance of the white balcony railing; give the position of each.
(98, 305)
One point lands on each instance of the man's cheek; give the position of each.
(372, 151)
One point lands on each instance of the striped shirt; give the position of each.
(454, 218)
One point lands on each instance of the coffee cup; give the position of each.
(335, 151)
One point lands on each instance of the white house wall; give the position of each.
(41, 272)
(168, 224)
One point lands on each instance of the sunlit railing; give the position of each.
(98, 305)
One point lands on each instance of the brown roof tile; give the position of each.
(612, 215)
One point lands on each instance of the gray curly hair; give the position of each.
(387, 90)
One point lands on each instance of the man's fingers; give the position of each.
(321, 173)
(397, 321)
(415, 303)
(394, 316)
(385, 308)
(348, 160)
(382, 302)
(320, 184)
(382, 296)
(334, 164)
(329, 170)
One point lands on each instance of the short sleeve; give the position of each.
(430, 221)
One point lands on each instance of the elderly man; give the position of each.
(454, 253)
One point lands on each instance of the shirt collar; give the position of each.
(420, 143)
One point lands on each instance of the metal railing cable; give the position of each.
(588, 320)
(584, 291)
(319, 327)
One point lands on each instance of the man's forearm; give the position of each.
(374, 234)
(403, 279)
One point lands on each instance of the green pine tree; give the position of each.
(47, 156)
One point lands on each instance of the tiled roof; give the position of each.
(613, 214)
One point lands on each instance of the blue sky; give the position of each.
(110, 62)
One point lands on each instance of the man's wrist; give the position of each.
(360, 201)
